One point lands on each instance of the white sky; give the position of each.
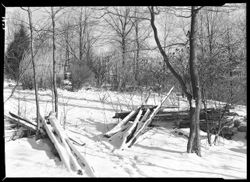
(40, 17)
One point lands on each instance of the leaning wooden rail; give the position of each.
(76, 160)
(134, 138)
(70, 156)
(131, 132)
(58, 137)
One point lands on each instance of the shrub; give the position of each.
(80, 74)
(43, 61)
(15, 52)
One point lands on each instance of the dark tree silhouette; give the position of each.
(15, 53)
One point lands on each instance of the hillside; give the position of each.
(160, 153)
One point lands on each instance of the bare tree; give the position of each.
(141, 34)
(118, 19)
(38, 115)
(82, 23)
(66, 29)
(194, 139)
(137, 55)
(54, 85)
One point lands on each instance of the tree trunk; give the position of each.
(194, 136)
(194, 114)
(122, 70)
(80, 36)
(137, 50)
(54, 63)
(38, 115)
(206, 119)
(66, 65)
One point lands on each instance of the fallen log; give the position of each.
(122, 115)
(171, 116)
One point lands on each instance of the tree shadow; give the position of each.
(78, 99)
(239, 150)
(102, 127)
(40, 146)
(192, 171)
(160, 149)
(73, 105)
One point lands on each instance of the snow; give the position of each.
(27, 157)
(160, 152)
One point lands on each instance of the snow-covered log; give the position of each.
(139, 125)
(122, 124)
(62, 138)
(83, 161)
(145, 116)
(58, 145)
(130, 131)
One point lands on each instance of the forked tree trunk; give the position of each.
(194, 128)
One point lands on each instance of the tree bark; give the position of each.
(54, 62)
(80, 36)
(137, 50)
(66, 65)
(194, 136)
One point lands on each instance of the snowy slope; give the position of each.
(160, 153)
(29, 158)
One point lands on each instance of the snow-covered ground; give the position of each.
(161, 152)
